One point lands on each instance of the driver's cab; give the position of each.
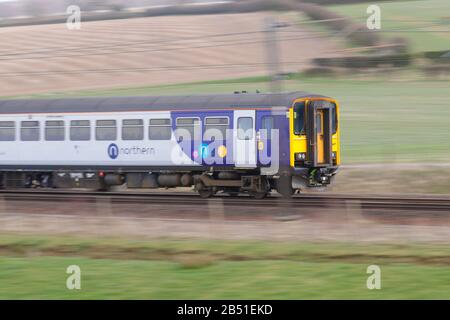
(314, 133)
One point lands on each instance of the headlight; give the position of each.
(300, 156)
(333, 155)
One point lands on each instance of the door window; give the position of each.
(267, 126)
(245, 128)
(319, 123)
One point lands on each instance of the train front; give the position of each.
(314, 142)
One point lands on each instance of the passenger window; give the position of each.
(29, 131)
(160, 129)
(334, 118)
(214, 125)
(191, 125)
(7, 131)
(106, 130)
(80, 130)
(54, 130)
(299, 118)
(133, 129)
(245, 128)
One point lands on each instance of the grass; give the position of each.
(418, 179)
(425, 24)
(35, 268)
(45, 278)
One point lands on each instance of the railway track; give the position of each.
(331, 201)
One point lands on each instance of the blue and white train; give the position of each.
(231, 143)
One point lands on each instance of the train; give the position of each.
(234, 143)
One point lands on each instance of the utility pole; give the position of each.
(273, 62)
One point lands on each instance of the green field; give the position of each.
(425, 23)
(35, 268)
(381, 120)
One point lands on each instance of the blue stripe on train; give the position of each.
(198, 151)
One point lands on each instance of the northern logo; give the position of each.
(113, 151)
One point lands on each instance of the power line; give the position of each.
(121, 44)
(243, 42)
(150, 69)
(121, 32)
(153, 43)
(181, 28)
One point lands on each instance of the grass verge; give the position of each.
(34, 267)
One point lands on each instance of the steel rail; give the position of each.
(329, 201)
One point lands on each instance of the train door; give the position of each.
(265, 123)
(320, 137)
(319, 133)
(244, 138)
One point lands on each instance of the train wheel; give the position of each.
(203, 191)
(284, 186)
(263, 191)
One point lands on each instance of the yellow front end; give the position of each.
(299, 140)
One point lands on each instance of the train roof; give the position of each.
(139, 103)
